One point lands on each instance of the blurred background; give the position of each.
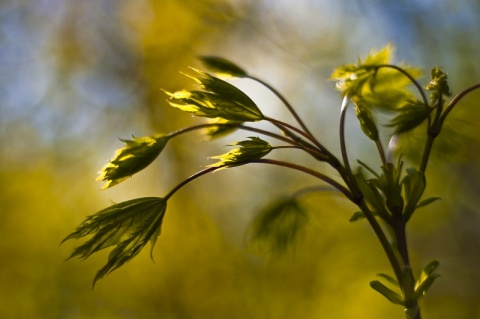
(77, 75)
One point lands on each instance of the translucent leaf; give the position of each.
(387, 293)
(374, 84)
(128, 226)
(255, 148)
(379, 57)
(222, 67)
(351, 78)
(219, 99)
(422, 288)
(427, 271)
(278, 225)
(410, 116)
(135, 156)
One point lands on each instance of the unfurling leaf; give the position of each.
(253, 149)
(128, 225)
(135, 156)
(222, 67)
(278, 225)
(387, 292)
(218, 99)
(351, 78)
(438, 85)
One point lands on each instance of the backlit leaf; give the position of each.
(128, 226)
(219, 99)
(135, 156)
(255, 148)
(427, 277)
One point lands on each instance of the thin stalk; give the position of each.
(410, 77)
(346, 170)
(282, 125)
(382, 238)
(243, 127)
(455, 100)
(188, 180)
(309, 171)
(415, 83)
(286, 103)
(426, 152)
(381, 152)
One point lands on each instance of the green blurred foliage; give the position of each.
(76, 75)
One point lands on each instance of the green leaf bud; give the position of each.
(367, 123)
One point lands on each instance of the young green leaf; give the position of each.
(387, 292)
(255, 148)
(427, 277)
(422, 287)
(135, 156)
(410, 116)
(278, 225)
(352, 78)
(222, 67)
(128, 226)
(219, 99)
